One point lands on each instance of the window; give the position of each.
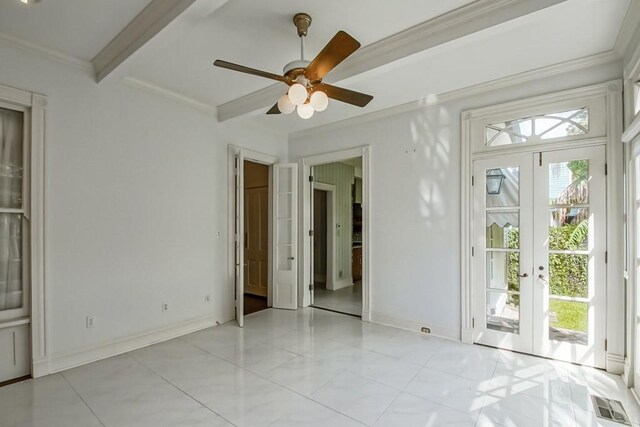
(538, 128)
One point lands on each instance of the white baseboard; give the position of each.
(341, 283)
(411, 325)
(60, 362)
(615, 364)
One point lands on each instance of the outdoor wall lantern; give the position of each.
(495, 177)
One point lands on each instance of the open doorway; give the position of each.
(256, 237)
(337, 236)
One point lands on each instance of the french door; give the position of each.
(539, 278)
(285, 233)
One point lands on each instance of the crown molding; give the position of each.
(628, 29)
(170, 94)
(478, 89)
(46, 52)
(460, 22)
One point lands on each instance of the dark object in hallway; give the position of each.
(253, 303)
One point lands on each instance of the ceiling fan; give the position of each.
(306, 91)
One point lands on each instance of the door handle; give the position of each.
(541, 277)
(291, 258)
(523, 275)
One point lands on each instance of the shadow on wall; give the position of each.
(431, 137)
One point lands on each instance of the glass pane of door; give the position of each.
(502, 251)
(11, 296)
(11, 158)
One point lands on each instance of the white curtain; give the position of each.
(11, 166)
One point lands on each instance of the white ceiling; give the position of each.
(80, 28)
(260, 34)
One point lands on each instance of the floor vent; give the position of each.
(610, 409)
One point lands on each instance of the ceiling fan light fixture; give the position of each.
(285, 105)
(305, 111)
(319, 101)
(297, 94)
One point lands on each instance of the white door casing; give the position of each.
(285, 226)
(239, 238)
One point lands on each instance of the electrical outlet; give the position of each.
(207, 298)
(425, 330)
(165, 306)
(91, 322)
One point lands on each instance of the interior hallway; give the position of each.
(313, 367)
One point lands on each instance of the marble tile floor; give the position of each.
(314, 368)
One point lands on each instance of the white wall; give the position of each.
(136, 191)
(415, 200)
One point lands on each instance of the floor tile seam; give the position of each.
(484, 396)
(304, 396)
(397, 358)
(346, 415)
(81, 398)
(387, 408)
(456, 375)
(169, 382)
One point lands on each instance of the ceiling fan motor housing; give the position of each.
(291, 68)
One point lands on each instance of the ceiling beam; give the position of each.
(149, 22)
(469, 19)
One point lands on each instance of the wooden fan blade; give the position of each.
(337, 50)
(274, 109)
(252, 71)
(345, 95)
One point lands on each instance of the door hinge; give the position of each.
(473, 251)
(473, 322)
(310, 286)
(606, 257)
(310, 178)
(606, 169)
(605, 345)
(473, 181)
(310, 233)
(540, 161)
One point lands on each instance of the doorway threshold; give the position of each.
(336, 311)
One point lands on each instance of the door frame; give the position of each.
(35, 105)
(609, 95)
(304, 255)
(331, 226)
(234, 151)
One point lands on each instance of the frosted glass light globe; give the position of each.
(305, 111)
(285, 105)
(319, 101)
(297, 94)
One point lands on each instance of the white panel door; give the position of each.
(285, 270)
(239, 238)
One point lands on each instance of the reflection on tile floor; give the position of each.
(346, 300)
(313, 367)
